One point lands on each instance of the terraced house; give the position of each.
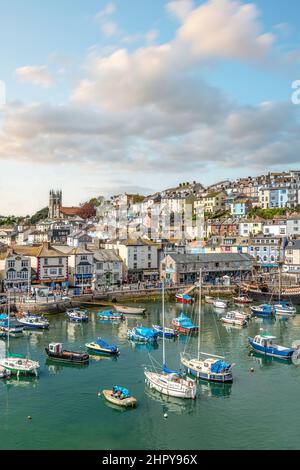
(15, 270)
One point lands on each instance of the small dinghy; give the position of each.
(120, 396)
(264, 310)
(129, 310)
(38, 322)
(108, 315)
(184, 298)
(218, 303)
(184, 325)
(101, 347)
(284, 308)
(166, 332)
(232, 319)
(55, 352)
(263, 344)
(77, 315)
(242, 299)
(143, 335)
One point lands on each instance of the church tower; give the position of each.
(55, 203)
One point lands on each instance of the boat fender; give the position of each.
(165, 415)
(190, 383)
(252, 369)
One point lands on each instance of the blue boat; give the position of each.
(263, 344)
(77, 315)
(110, 316)
(3, 316)
(264, 310)
(166, 332)
(35, 322)
(11, 327)
(184, 325)
(142, 334)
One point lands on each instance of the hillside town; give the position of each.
(227, 228)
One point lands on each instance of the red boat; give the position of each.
(184, 326)
(242, 299)
(184, 298)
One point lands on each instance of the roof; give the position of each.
(106, 255)
(209, 257)
(70, 210)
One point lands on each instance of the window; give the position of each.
(53, 272)
(134, 265)
(11, 264)
(135, 257)
(60, 271)
(24, 264)
(149, 257)
(60, 261)
(99, 266)
(149, 265)
(46, 261)
(83, 258)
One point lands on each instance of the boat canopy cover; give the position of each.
(220, 366)
(146, 332)
(170, 371)
(124, 391)
(106, 313)
(3, 316)
(184, 321)
(104, 345)
(184, 296)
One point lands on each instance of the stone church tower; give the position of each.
(55, 204)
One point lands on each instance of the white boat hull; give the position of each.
(129, 310)
(182, 389)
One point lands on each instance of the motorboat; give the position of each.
(242, 299)
(110, 316)
(284, 308)
(263, 344)
(184, 298)
(232, 319)
(211, 368)
(77, 315)
(29, 321)
(120, 396)
(167, 332)
(184, 325)
(218, 303)
(56, 352)
(264, 310)
(129, 310)
(101, 347)
(142, 334)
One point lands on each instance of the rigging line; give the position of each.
(218, 333)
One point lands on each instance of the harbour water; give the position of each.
(258, 411)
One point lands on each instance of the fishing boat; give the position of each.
(101, 347)
(167, 332)
(184, 325)
(120, 396)
(142, 334)
(218, 303)
(242, 299)
(38, 322)
(77, 316)
(13, 328)
(263, 344)
(284, 308)
(56, 352)
(264, 310)
(231, 319)
(129, 310)
(184, 298)
(110, 316)
(4, 373)
(166, 381)
(202, 365)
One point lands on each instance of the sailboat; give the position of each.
(282, 307)
(166, 381)
(206, 366)
(242, 298)
(17, 364)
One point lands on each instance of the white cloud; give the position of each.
(36, 75)
(108, 10)
(180, 8)
(109, 28)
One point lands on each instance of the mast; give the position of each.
(8, 322)
(163, 312)
(199, 312)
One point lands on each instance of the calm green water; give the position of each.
(259, 410)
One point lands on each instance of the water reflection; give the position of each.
(56, 367)
(143, 346)
(171, 404)
(211, 389)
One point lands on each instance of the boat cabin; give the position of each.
(264, 340)
(56, 348)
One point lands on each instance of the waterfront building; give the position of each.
(267, 251)
(184, 268)
(15, 270)
(140, 258)
(292, 258)
(107, 268)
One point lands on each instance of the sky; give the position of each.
(103, 97)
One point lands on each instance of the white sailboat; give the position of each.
(282, 307)
(17, 364)
(206, 366)
(168, 382)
